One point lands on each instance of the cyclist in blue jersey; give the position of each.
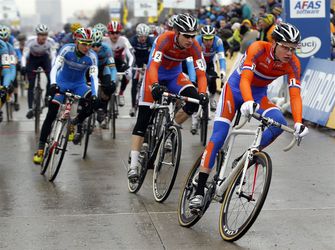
(68, 73)
(5, 74)
(212, 45)
(107, 73)
(142, 45)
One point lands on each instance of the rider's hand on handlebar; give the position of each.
(157, 91)
(203, 99)
(129, 73)
(249, 107)
(300, 129)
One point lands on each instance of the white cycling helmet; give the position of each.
(97, 35)
(142, 29)
(287, 33)
(208, 32)
(101, 27)
(41, 29)
(171, 21)
(4, 32)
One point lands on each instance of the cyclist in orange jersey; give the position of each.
(262, 63)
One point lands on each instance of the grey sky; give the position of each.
(27, 7)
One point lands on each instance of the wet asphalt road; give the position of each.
(89, 206)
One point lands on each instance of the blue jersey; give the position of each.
(141, 50)
(5, 64)
(70, 68)
(13, 61)
(106, 61)
(209, 53)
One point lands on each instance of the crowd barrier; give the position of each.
(317, 91)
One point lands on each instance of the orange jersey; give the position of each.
(168, 55)
(258, 68)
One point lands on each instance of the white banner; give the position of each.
(179, 4)
(145, 8)
(308, 9)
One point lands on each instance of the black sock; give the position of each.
(201, 183)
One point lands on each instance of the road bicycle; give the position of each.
(38, 100)
(241, 189)
(140, 76)
(57, 141)
(161, 149)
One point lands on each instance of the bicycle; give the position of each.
(37, 102)
(161, 149)
(244, 187)
(56, 145)
(202, 117)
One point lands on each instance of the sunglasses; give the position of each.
(85, 43)
(287, 48)
(188, 36)
(96, 45)
(113, 33)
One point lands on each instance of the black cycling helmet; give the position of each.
(186, 24)
(285, 32)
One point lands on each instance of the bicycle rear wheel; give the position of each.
(37, 108)
(135, 185)
(48, 148)
(239, 212)
(87, 130)
(114, 113)
(59, 148)
(167, 164)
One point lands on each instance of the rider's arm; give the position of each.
(111, 65)
(5, 62)
(191, 69)
(200, 67)
(247, 73)
(25, 54)
(220, 54)
(129, 54)
(155, 60)
(59, 61)
(53, 50)
(294, 90)
(93, 72)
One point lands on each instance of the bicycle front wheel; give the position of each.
(167, 164)
(239, 211)
(114, 113)
(59, 148)
(88, 129)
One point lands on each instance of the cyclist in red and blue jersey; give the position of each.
(164, 71)
(246, 88)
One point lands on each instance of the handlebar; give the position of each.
(179, 97)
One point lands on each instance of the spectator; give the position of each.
(266, 25)
(248, 37)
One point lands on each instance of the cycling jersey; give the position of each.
(141, 50)
(5, 64)
(165, 65)
(121, 48)
(209, 53)
(69, 70)
(106, 61)
(32, 47)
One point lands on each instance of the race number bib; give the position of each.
(200, 64)
(5, 59)
(158, 56)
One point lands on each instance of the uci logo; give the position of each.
(309, 47)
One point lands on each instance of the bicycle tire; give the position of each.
(160, 164)
(62, 140)
(185, 217)
(143, 159)
(114, 115)
(37, 108)
(7, 111)
(48, 149)
(87, 129)
(203, 131)
(226, 231)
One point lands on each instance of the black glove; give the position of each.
(23, 71)
(157, 91)
(94, 102)
(203, 99)
(53, 90)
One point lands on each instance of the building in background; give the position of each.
(50, 13)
